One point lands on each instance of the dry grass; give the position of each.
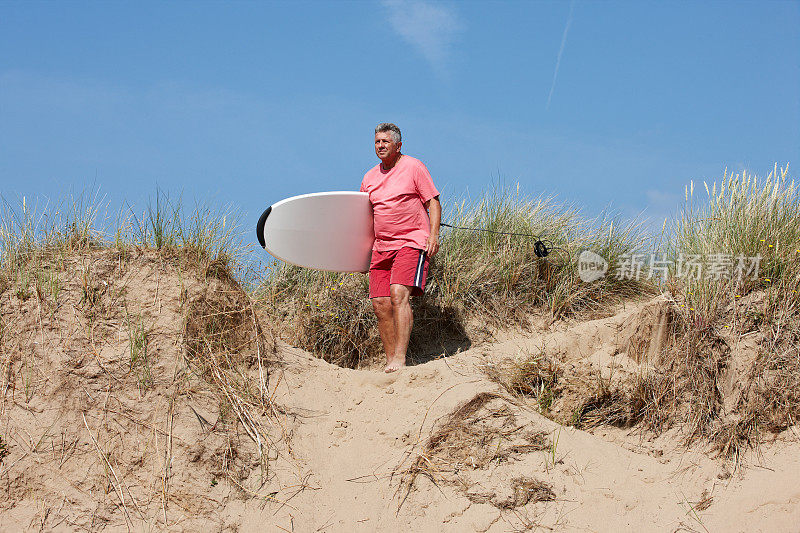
(476, 278)
(499, 279)
(742, 217)
(327, 313)
(770, 401)
(687, 388)
(534, 376)
(101, 351)
(683, 387)
(700, 376)
(482, 431)
(606, 406)
(525, 490)
(226, 347)
(64, 258)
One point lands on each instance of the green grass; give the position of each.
(3, 449)
(48, 284)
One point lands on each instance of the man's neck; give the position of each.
(387, 164)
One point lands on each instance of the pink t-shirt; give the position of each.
(398, 203)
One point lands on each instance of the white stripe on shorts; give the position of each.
(420, 265)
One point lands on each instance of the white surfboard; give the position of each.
(325, 230)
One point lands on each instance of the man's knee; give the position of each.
(382, 306)
(399, 295)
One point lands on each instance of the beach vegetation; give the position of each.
(479, 281)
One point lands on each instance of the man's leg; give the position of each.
(383, 311)
(403, 321)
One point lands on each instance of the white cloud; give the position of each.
(430, 28)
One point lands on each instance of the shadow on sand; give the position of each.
(438, 331)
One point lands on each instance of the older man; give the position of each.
(407, 214)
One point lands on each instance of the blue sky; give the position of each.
(600, 103)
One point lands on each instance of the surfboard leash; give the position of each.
(540, 247)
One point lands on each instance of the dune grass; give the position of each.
(752, 226)
(40, 233)
(41, 244)
(484, 278)
(734, 270)
(749, 229)
(498, 277)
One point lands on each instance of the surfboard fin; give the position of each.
(260, 227)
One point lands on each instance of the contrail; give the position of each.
(560, 52)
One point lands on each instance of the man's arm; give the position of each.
(434, 208)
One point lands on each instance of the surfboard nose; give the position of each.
(260, 227)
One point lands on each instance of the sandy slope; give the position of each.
(93, 440)
(356, 428)
(87, 431)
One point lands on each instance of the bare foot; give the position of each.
(394, 365)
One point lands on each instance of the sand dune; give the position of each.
(361, 429)
(99, 436)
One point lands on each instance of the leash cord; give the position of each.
(493, 231)
(540, 249)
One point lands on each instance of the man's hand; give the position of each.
(432, 245)
(434, 208)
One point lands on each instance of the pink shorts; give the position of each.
(406, 266)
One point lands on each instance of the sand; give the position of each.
(96, 443)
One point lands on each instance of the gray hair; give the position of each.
(388, 126)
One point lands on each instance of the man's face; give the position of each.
(385, 147)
